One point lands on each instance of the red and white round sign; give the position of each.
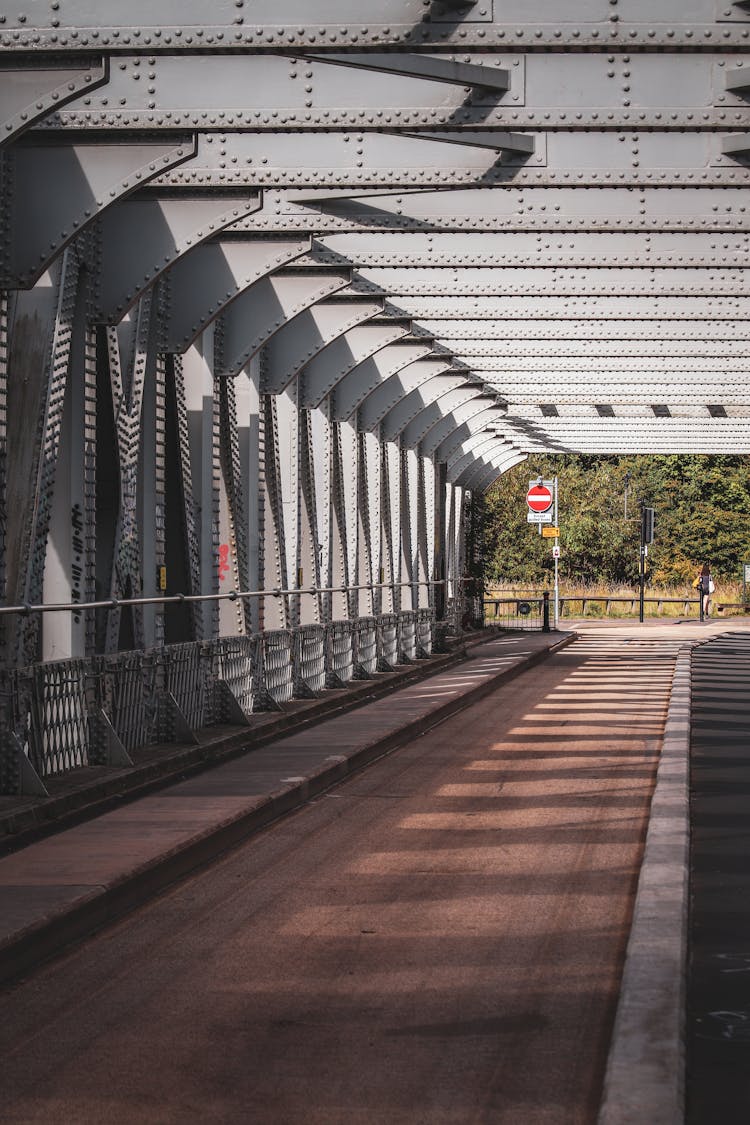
(539, 498)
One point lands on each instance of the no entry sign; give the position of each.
(539, 497)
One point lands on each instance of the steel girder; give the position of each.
(480, 405)
(203, 282)
(417, 402)
(306, 337)
(55, 187)
(29, 94)
(268, 306)
(464, 431)
(560, 200)
(144, 235)
(385, 396)
(420, 426)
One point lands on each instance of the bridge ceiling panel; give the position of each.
(538, 210)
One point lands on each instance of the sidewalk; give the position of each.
(63, 887)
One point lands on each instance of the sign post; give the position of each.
(647, 536)
(556, 554)
(541, 500)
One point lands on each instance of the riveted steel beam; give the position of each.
(548, 281)
(598, 337)
(145, 234)
(343, 355)
(381, 399)
(469, 452)
(622, 435)
(625, 369)
(550, 208)
(203, 282)
(265, 308)
(291, 92)
(462, 432)
(28, 93)
(525, 249)
(494, 461)
(482, 405)
(430, 67)
(416, 402)
(59, 185)
(292, 25)
(570, 307)
(354, 388)
(344, 159)
(483, 475)
(310, 335)
(417, 429)
(697, 394)
(273, 24)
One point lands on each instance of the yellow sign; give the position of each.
(550, 532)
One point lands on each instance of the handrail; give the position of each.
(583, 598)
(233, 595)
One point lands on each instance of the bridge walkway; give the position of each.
(439, 938)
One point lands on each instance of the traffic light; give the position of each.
(647, 525)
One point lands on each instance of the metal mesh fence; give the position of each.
(365, 645)
(310, 659)
(339, 652)
(53, 709)
(278, 671)
(236, 662)
(184, 668)
(123, 696)
(60, 702)
(425, 626)
(387, 641)
(407, 636)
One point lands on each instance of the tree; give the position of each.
(702, 508)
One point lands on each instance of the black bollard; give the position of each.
(545, 612)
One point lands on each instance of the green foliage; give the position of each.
(702, 508)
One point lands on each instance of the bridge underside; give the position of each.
(285, 283)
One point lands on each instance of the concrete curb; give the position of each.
(46, 937)
(645, 1076)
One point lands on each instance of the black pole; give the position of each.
(642, 568)
(545, 610)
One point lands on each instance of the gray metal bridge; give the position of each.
(286, 283)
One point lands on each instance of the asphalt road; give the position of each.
(437, 940)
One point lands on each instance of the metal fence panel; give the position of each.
(310, 659)
(340, 652)
(425, 626)
(123, 696)
(185, 674)
(237, 662)
(515, 613)
(278, 671)
(387, 641)
(407, 636)
(365, 645)
(60, 704)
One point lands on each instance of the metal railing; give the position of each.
(26, 608)
(499, 610)
(526, 612)
(65, 715)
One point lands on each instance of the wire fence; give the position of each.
(61, 716)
